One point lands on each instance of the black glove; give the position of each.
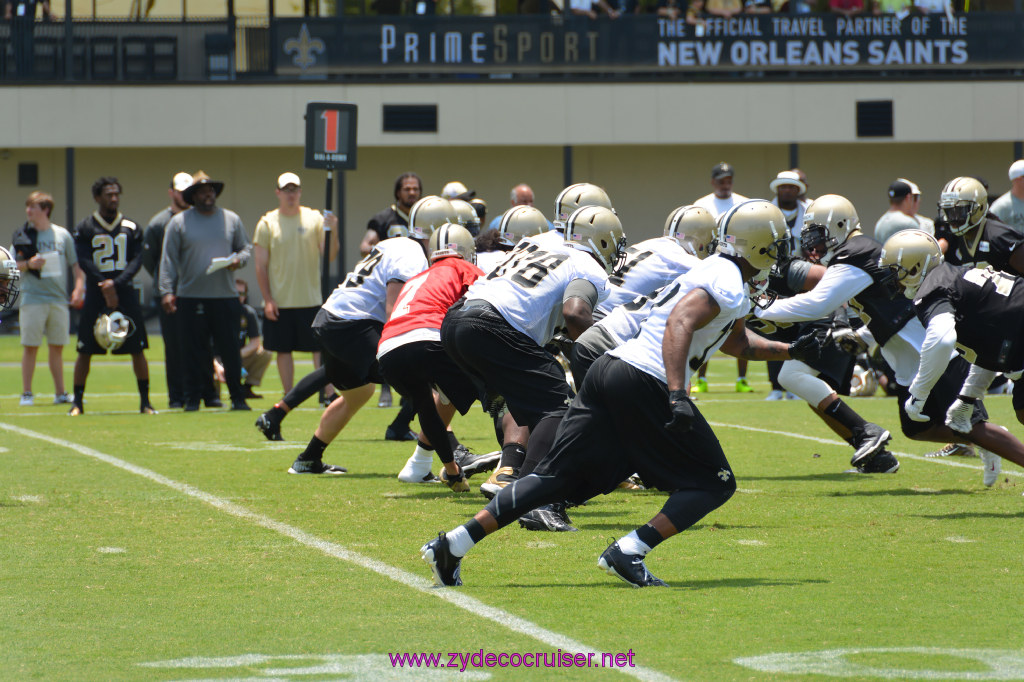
(682, 412)
(849, 341)
(808, 347)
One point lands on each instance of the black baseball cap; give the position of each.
(721, 170)
(901, 188)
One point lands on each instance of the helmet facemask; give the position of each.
(957, 213)
(815, 239)
(9, 278)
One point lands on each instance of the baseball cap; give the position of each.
(721, 170)
(787, 178)
(901, 187)
(286, 179)
(181, 181)
(1017, 169)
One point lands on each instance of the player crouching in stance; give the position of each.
(976, 312)
(632, 413)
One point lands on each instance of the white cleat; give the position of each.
(993, 465)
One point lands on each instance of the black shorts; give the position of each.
(616, 427)
(506, 362)
(95, 305)
(426, 363)
(835, 368)
(942, 396)
(349, 350)
(292, 331)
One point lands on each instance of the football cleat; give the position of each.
(385, 396)
(27, 400)
(743, 387)
(628, 567)
(457, 483)
(701, 386)
(501, 477)
(868, 441)
(632, 483)
(550, 517)
(147, 409)
(316, 466)
(954, 449)
(993, 465)
(445, 566)
(776, 394)
(268, 427)
(392, 433)
(75, 410)
(62, 399)
(240, 406)
(882, 463)
(471, 464)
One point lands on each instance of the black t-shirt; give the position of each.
(250, 328)
(108, 254)
(383, 222)
(996, 245)
(884, 310)
(989, 310)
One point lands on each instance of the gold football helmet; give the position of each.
(428, 214)
(467, 215)
(575, 197)
(829, 220)
(755, 231)
(693, 228)
(519, 222)
(911, 254)
(598, 231)
(112, 330)
(451, 240)
(963, 204)
(9, 278)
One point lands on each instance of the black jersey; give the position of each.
(881, 306)
(989, 310)
(994, 246)
(108, 250)
(391, 217)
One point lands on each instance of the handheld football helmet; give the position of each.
(597, 230)
(754, 230)
(574, 197)
(467, 215)
(9, 278)
(111, 330)
(829, 220)
(693, 228)
(963, 204)
(451, 240)
(428, 214)
(911, 254)
(519, 222)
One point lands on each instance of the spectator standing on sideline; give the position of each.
(109, 250)
(44, 252)
(202, 246)
(287, 249)
(255, 358)
(521, 195)
(1009, 208)
(904, 200)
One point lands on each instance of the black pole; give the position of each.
(341, 223)
(69, 187)
(69, 42)
(566, 165)
(794, 155)
(325, 268)
(1018, 150)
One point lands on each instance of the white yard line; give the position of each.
(452, 596)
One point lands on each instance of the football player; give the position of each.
(632, 412)
(976, 313)
(970, 235)
(109, 250)
(9, 277)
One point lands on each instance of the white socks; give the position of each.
(632, 544)
(459, 541)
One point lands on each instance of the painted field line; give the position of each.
(945, 461)
(454, 597)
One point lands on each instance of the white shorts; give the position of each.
(50, 319)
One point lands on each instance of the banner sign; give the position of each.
(808, 42)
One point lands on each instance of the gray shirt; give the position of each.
(1010, 210)
(36, 290)
(191, 241)
(897, 221)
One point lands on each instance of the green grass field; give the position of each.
(175, 547)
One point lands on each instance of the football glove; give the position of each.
(958, 416)
(849, 341)
(682, 412)
(808, 347)
(914, 407)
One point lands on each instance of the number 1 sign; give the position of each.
(330, 136)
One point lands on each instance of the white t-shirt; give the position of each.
(363, 294)
(716, 275)
(718, 206)
(649, 266)
(1010, 210)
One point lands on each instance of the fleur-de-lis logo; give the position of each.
(724, 474)
(305, 48)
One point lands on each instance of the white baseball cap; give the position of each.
(286, 179)
(1017, 169)
(181, 181)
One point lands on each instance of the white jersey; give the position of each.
(363, 294)
(528, 289)
(488, 260)
(549, 238)
(717, 206)
(623, 323)
(649, 266)
(722, 280)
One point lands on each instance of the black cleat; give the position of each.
(868, 441)
(475, 464)
(550, 517)
(882, 463)
(316, 466)
(628, 567)
(445, 565)
(269, 428)
(214, 402)
(240, 406)
(395, 434)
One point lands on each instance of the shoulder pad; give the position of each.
(130, 224)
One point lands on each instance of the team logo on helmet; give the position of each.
(111, 331)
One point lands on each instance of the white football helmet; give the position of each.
(963, 204)
(519, 222)
(693, 228)
(453, 190)
(397, 230)
(112, 330)
(598, 231)
(451, 240)
(574, 197)
(467, 215)
(911, 254)
(9, 278)
(829, 220)
(754, 230)
(428, 214)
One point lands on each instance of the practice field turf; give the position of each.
(175, 547)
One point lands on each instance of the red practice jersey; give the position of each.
(426, 298)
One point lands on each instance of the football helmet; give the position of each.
(519, 222)
(10, 275)
(574, 197)
(451, 240)
(454, 189)
(597, 230)
(397, 230)
(829, 220)
(467, 215)
(428, 214)
(111, 330)
(693, 228)
(754, 230)
(910, 254)
(963, 204)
